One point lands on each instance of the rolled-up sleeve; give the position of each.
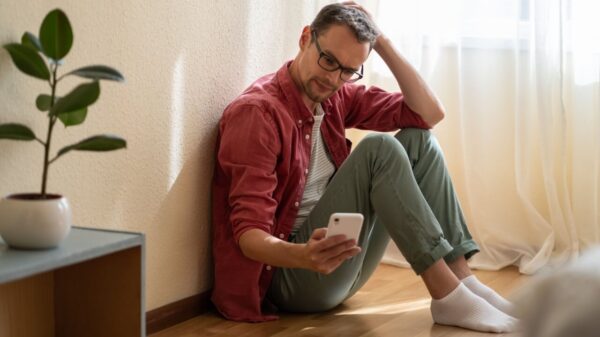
(376, 109)
(248, 154)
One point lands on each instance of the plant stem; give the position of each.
(52, 160)
(51, 121)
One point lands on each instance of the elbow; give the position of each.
(251, 241)
(440, 116)
(245, 245)
(441, 111)
(435, 118)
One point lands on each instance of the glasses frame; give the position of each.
(346, 70)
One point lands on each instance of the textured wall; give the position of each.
(183, 62)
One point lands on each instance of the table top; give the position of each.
(80, 245)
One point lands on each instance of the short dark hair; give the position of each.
(337, 14)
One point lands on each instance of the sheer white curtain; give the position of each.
(520, 83)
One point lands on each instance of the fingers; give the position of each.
(321, 233)
(318, 234)
(336, 250)
(327, 254)
(333, 263)
(357, 6)
(364, 10)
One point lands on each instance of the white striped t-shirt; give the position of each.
(320, 170)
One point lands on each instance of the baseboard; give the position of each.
(177, 312)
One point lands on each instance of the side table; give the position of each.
(91, 285)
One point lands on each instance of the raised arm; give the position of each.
(417, 95)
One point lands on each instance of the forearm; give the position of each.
(263, 247)
(417, 94)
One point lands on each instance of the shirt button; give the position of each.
(307, 136)
(296, 204)
(299, 121)
(305, 171)
(281, 236)
(268, 267)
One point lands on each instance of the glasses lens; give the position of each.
(350, 76)
(328, 63)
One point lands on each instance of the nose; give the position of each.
(333, 77)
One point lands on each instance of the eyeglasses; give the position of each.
(329, 63)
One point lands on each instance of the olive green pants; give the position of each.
(402, 187)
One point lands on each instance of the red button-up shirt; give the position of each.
(263, 152)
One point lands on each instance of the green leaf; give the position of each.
(96, 143)
(42, 102)
(32, 41)
(28, 60)
(73, 118)
(16, 132)
(56, 35)
(98, 72)
(82, 96)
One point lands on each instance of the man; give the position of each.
(283, 167)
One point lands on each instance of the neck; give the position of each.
(295, 74)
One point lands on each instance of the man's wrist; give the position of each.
(298, 256)
(380, 41)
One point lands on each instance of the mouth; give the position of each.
(323, 87)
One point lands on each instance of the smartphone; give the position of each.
(348, 224)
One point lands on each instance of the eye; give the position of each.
(329, 61)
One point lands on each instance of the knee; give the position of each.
(378, 146)
(412, 134)
(375, 141)
(419, 141)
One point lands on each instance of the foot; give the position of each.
(464, 309)
(488, 294)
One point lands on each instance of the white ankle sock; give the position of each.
(464, 309)
(488, 294)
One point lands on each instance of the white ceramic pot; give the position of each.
(29, 222)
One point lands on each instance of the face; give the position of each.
(339, 44)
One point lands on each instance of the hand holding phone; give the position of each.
(348, 224)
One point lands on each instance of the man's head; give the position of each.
(332, 51)
(356, 20)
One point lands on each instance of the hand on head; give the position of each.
(362, 9)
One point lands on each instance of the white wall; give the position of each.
(183, 62)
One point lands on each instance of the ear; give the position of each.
(304, 38)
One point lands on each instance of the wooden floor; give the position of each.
(393, 303)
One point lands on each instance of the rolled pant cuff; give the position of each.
(467, 249)
(426, 260)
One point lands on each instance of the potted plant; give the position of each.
(43, 220)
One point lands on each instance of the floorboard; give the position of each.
(393, 303)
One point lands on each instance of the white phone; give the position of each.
(348, 224)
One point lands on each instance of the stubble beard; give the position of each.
(313, 95)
